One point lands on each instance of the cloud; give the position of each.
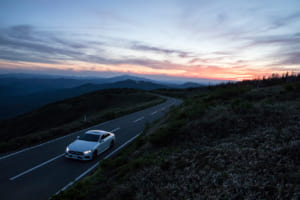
(285, 20)
(143, 47)
(29, 44)
(285, 48)
(274, 40)
(36, 47)
(288, 58)
(21, 32)
(68, 71)
(19, 56)
(30, 34)
(25, 43)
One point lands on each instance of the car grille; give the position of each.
(76, 152)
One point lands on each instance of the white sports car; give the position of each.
(90, 144)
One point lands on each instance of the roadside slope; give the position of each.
(233, 142)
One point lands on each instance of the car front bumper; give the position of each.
(79, 157)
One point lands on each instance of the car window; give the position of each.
(104, 136)
(89, 137)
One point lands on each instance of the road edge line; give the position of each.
(96, 164)
(35, 167)
(50, 141)
(59, 138)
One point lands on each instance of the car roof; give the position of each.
(96, 132)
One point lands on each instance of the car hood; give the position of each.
(81, 145)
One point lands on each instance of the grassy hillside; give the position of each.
(233, 141)
(12, 105)
(66, 116)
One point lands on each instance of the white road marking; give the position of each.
(33, 147)
(138, 119)
(50, 141)
(44, 163)
(95, 165)
(38, 166)
(154, 112)
(114, 130)
(59, 138)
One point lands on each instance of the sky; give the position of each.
(169, 39)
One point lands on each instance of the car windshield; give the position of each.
(89, 137)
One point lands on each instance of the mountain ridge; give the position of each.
(22, 93)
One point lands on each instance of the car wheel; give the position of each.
(95, 154)
(111, 144)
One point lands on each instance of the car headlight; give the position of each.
(67, 149)
(87, 152)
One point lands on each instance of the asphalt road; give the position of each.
(39, 172)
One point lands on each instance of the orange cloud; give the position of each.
(235, 73)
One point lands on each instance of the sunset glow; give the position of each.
(219, 40)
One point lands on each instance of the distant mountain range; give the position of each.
(20, 94)
(16, 85)
(19, 84)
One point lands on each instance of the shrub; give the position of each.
(165, 136)
(289, 87)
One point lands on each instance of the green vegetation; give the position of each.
(67, 116)
(231, 141)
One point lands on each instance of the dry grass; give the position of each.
(232, 143)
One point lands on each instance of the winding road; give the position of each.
(40, 171)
